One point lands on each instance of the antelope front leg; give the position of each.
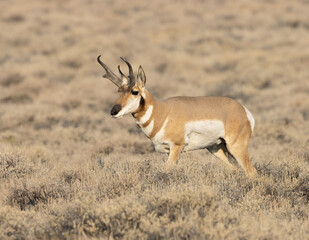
(173, 156)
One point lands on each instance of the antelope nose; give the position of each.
(116, 109)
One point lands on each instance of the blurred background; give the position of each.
(52, 92)
(55, 105)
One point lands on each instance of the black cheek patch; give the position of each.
(141, 104)
(142, 101)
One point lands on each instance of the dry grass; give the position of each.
(67, 170)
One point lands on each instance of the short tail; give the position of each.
(250, 118)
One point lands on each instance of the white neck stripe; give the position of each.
(146, 116)
(160, 134)
(147, 130)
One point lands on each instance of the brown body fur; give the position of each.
(181, 110)
(164, 122)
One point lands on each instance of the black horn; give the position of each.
(125, 79)
(109, 74)
(121, 73)
(131, 74)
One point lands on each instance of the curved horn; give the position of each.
(121, 73)
(109, 74)
(131, 74)
(124, 77)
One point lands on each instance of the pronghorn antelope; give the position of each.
(220, 124)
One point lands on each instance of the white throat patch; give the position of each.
(146, 116)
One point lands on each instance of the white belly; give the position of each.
(202, 134)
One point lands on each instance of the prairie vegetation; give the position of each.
(69, 171)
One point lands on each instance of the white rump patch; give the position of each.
(202, 134)
(250, 118)
(146, 116)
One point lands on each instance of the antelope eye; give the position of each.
(134, 92)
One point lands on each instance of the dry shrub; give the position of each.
(15, 165)
(71, 104)
(15, 18)
(131, 217)
(70, 171)
(134, 198)
(15, 224)
(13, 79)
(302, 188)
(17, 99)
(25, 197)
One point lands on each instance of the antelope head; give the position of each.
(130, 89)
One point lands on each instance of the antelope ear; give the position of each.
(141, 77)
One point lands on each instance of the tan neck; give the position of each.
(151, 116)
(148, 100)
